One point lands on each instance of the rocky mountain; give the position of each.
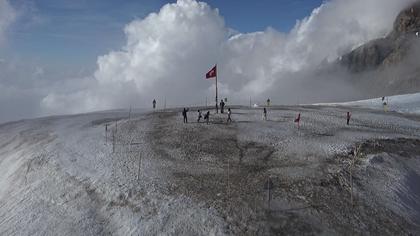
(389, 50)
(389, 65)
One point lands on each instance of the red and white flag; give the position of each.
(212, 73)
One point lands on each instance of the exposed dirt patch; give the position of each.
(229, 175)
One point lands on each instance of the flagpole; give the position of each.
(217, 108)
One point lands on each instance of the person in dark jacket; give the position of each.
(265, 114)
(222, 106)
(207, 117)
(184, 114)
(199, 116)
(348, 117)
(154, 104)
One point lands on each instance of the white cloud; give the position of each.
(39, 71)
(167, 54)
(7, 16)
(260, 62)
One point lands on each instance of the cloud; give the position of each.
(167, 54)
(39, 71)
(7, 17)
(281, 65)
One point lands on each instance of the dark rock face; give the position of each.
(389, 65)
(390, 50)
(368, 56)
(408, 21)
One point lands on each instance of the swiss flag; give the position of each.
(212, 73)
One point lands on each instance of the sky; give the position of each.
(71, 34)
(61, 57)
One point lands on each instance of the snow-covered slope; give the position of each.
(65, 176)
(408, 103)
(61, 176)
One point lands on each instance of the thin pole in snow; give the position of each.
(351, 186)
(228, 187)
(106, 133)
(268, 193)
(255, 204)
(164, 104)
(269, 187)
(138, 171)
(113, 142)
(217, 108)
(355, 155)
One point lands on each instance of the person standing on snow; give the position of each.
(348, 117)
(184, 114)
(222, 106)
(199, 116)
(229, 119)
(385, 103)
(154, 104)
(265, 114)
(207, 117)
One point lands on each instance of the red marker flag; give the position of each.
(297, 120)
(212, 73)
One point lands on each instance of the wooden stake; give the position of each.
(113, 142)
(356, 153)
(106, 133)
(351, 186)
(228, 187)
(268, 193)
(255, 206)
(138, 171)
(217, 107)
(164, 104)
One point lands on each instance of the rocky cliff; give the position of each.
(389, 50)
(389, 65)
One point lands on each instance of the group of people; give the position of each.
(200, 114)
(229, 113)
(206, 116)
